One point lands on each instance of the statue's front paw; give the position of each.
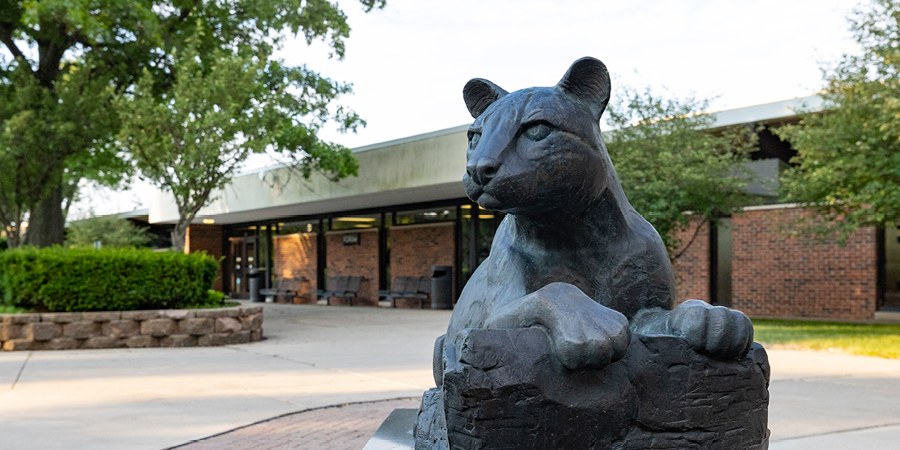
(583, 333)
(717, 331)
(592, 338)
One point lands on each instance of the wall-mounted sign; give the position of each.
(351, 238)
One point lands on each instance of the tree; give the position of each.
(71, 118)
(111, 43)
(669, 162)
(190, 140)
(847, 166)
(110, 231)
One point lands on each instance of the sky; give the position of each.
(409, 62)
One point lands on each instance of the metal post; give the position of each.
(227, 262)
(457, 257)
(321, 260)
(270, 258)
(383, 255)
(473, 239)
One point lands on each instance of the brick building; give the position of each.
(753, 263)
(407, 212)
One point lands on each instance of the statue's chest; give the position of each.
(528, 271)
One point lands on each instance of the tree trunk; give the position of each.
(12, 238)
(47, 224)
(178, 236)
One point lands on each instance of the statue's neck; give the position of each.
(602, 221)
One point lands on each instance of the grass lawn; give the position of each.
(850, 338)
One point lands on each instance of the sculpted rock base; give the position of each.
(504, 389)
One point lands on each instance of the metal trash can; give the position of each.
(442, 287)
(256, 282)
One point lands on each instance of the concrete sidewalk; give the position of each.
(823, 401)
(317, 356)
(157, 398)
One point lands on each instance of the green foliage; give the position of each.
(191, 139)
(111, 231)
(57, 123)
(669, 162)
(215, 299)
(3, 243)
(11, 310)
(72, 119)
(852, 338)
(848, 161)
(77, 279)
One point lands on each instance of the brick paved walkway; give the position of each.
(346, 427)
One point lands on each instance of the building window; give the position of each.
(442, 214)
(478, 228)
(355, 222)
(309, 226)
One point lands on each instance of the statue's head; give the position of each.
(539, 150)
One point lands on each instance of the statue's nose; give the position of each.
(482, 170)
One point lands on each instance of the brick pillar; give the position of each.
(295, 256)
(415, 248)
(355, 261)
(208, 238)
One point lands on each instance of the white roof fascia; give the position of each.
(768, 111)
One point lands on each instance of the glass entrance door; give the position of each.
(243, 257)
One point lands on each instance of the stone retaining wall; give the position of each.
(131, 329)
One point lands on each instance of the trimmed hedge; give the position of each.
(75, 279)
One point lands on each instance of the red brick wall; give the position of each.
(415, 248)
(692, 267)
(207, 238)
(295, 256)
(355, 260)
(777, 277)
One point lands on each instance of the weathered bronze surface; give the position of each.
(566, 336)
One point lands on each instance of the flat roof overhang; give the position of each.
(447, 191)
(415, 169)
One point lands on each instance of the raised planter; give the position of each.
(131, 329)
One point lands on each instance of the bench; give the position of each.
(288, 287)
(341, 287)
(408, 287)
(400, 287)
(335, 285)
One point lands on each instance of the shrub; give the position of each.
(10, 310)
(80, 279)
(215, 299)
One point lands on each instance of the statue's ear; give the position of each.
(588, 81)
(479, 94)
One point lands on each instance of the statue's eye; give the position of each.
(537, 131)
(473, 139)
